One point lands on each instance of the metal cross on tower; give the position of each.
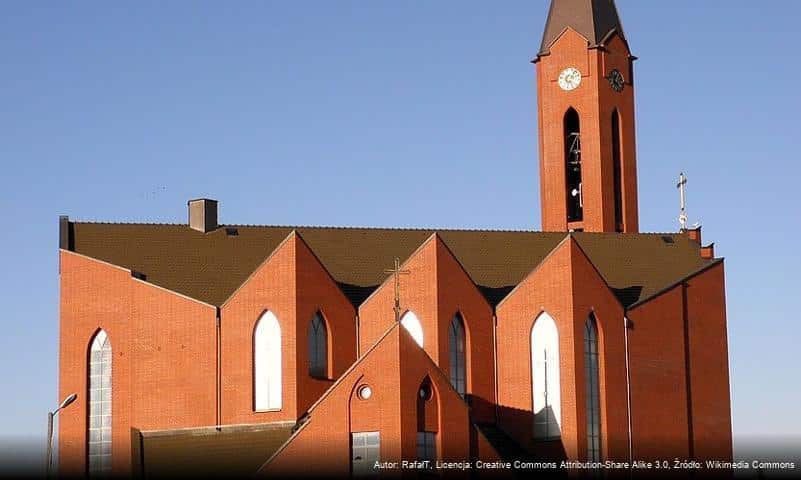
(397, 272)
(682, 198)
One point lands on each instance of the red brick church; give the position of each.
(209, 347)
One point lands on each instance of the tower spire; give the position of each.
(595, 20)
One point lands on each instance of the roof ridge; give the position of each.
(625, 234)
(211, 267)
(415, 229)
(372, 227)
(326, 227)
(102, 222)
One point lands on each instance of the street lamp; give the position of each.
(50, 415)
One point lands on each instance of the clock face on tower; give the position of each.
(569, 79)
(616, 80)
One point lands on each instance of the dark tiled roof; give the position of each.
(498, 261)
(210, 267)
(639, 266)
(232, 452)
(207, 267)
(495, 260)
(593, 19)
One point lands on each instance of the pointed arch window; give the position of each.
(573, 185)
(427, 421)
(617, 170)
(413, 326)
(267, 363)
(545, 379)
(99, 438)
(456, 348)
(593, 389)
(318, 347)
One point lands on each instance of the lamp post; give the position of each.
(50, 415)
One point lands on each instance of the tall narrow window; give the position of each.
(100, 405)
(267, 368)
(617, 171)
(572, 133)
(365, 452)
(318, 347)
(427, 446)
(545, 381)
(456, 346)
(427, 421)
(593, 391)
(413, 326)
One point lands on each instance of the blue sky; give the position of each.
(386, 114)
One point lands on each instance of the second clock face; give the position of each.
(569, 79)
(616, 80)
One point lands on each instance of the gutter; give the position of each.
(358, 337)
(626, 326)
(495, 364)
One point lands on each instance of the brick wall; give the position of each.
(435, 289)
(317, 292)
(271, 287)
(394, 369)
(546, 289)
(293, 285)
(163, 356)
(456, 292)
(709, 367)
(592, 295)
(568, 288)
(679, 371)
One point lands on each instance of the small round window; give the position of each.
(364, 392)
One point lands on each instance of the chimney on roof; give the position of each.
(693, 234)
(708, 252)
(64, 233)
(203, 215)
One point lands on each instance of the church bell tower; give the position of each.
(585, 87)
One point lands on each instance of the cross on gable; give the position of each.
(397, 272)
(682, 185)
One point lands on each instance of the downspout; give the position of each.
(495, 364)
(626, 326)
(218, 386)
(687, 377)
(358, 339)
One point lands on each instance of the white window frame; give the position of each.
(267, 368)
(99, 425)
(546, 392)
